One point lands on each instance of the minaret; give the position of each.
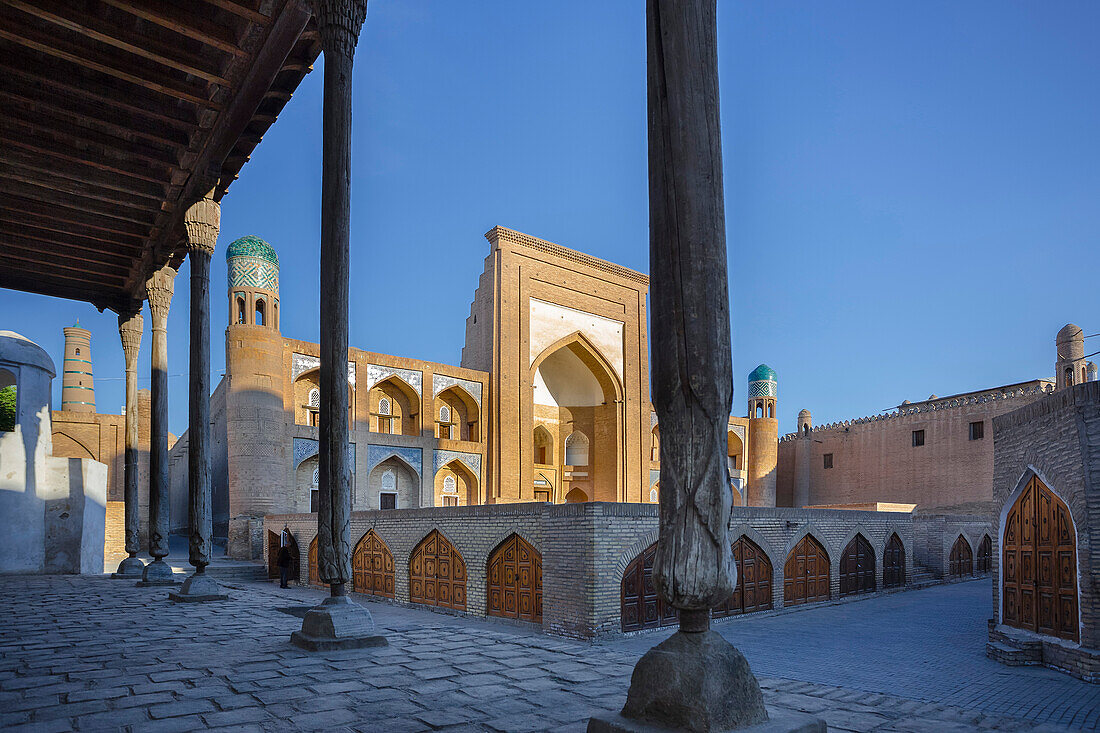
(803, 449)
(77, 389)
(763, 449)
(1070, 367)
(254, 374)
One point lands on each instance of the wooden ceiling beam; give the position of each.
(175, 18)
(48, 73)
(87, 175)
(115, 229)
(29, 258)
(18, 31)
(99, 295)
(236, 8)
(71, 201)
(127, 246)
(60, 152)
(60, 250)
(38, 176)
(112, 34)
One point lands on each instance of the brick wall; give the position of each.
(586, 547)
(114, 536)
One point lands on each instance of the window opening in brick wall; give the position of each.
(918, 438)
(828, 460)
(977, 430)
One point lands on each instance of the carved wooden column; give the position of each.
(159, 288)
(201, 222)
(695, 680)
(130, 326)
(337, 623)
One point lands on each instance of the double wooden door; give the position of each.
(437, 573)
(806, 573)
(893, 563)
(857, 567)
(1039, 564)
(641, 607)
(515, 581)
(962, 558)
(372, 567)
(985, 555)
(754, 580)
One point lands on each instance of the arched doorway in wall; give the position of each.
(754, 580)
(392, 484)
(576, 496)
(437, 573)
(984, 563)
(456, 485)
(456, 415)
(1039, 564)
(574, 386)
(314, 566)
(806, 573)
(394, 407)
(893, 563)
(857, 567)
(372, 569)
(640, 606)
(515, 581)
(962, 559)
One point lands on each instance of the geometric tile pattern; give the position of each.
(763, 388)
(378, 453)
(440, 383)
(252, 272)
(443, 457)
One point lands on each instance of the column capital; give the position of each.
(130, 327)
(339, 22)
(159, 289)
(202, 222)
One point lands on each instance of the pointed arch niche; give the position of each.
(456, 485)
(394, 407)
(577, 399)
(457, 416)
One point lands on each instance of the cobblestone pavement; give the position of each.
(92, 653)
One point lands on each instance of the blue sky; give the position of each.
(911, 189)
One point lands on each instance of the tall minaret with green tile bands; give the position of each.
(77, 388)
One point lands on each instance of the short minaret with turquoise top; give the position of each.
(253, 269)
(763, 447)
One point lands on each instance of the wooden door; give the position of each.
(985, 555)
(857, 567)
(962, 558)
(515, 581)
(437, 573)
(272, 554)
(641, 607)
(1039, 564)
(754, 580)
(314, 567)
(372, 567)
(893, 563)
(806, 573)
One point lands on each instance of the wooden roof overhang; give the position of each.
(116, 115)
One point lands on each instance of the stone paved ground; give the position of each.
(92, 653)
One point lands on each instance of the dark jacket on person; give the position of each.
(284, 558)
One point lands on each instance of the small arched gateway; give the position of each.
(754, 581)
(372, 567)
(893, 563)
(641, 607)
(515, 581)
(1039, 564)
(437, 573)
(806, 573)
(274, 542)
(985, 555)
(857, 567)
(962, 559)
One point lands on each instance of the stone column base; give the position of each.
(778, 722)
(131, 568)
(337, 624)
(198, 588)
(157, 573)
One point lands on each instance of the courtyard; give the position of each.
(87, 653)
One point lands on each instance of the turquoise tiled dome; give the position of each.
(252, 246)
(763, 373)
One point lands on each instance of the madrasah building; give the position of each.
(550, 402)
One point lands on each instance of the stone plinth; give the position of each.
(157, 573)
(337, 624)
(780, 722)
(197, 588)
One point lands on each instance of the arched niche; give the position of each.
(456, 485)
(307, 398)
(394, 407)
(393, 484)
(544, 446)
(463, 418)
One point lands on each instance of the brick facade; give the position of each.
(1056, 439)
(586, 547)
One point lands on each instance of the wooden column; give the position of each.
(337, 623)
(130, 326)
(339, 22)
(159, 288)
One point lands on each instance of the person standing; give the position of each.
(284, 566)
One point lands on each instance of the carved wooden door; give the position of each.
(515, 581)
(893, 563)
(962, 558)
(806, 573)
(985, 555)
(857, 567)
(372, 567)
(1039, 564)
(272, 554)
(754, 580)
(437, 573)
(314, 567)
(641, 607)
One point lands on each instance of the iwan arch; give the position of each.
(550, 403)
